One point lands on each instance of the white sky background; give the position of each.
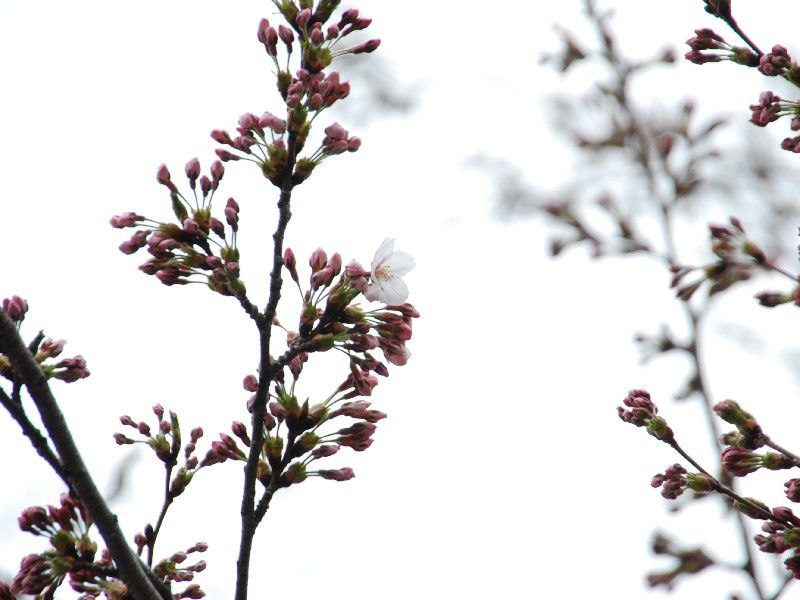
(503, 469)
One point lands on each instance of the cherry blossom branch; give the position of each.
(653, 166)
(267, 371)
(137, 577)
(720, 487)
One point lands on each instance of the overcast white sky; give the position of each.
(503, 469)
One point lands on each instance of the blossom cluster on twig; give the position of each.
(361, 313)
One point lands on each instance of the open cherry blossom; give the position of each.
(388, 267)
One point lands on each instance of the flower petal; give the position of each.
(400, 263)
(384, 251)
(391, 291)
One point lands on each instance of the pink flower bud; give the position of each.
(366, 47)
(333, 32)
(248, 121)
(290, 262)
(217, 171)
(353, 144)
(325, 450)
(315, 102)
(163, 177)
(336, 132)
(348, 17)
(322, 277)
(337, 475)
(286, 35)
(193, 171)
(122, 440)
(303, 18)
(343, 91)
(263, 26)
(318, 260)
(232, 218)
(250, 383)
(335, 263)
(217, 227)
(225, 156)
(317, 37)
(221, 137)
(240, 430)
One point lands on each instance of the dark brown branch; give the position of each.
(138, 579)
(266, 373)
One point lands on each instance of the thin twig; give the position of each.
(168, 498)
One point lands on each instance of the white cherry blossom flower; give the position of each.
(388, 267)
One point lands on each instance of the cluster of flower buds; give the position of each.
(262, 140)
(783, 533)
(166, 442)
(736, 256)
(329, 319)
(748, 434)
(674, 481)
(174, 569)
(707, 46)
(776, 62)
(68, 370)
(318, 42)
(741, 461)
(771, 107)
(188, 247)
(72, 555)
(642, 412)
(274, 143)
(689, 562)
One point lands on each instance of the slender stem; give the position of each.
(768, 442)
(745, 38)
(136, 576)
(168, 498)
(721, 487)
(773, 267)
(267, 371)
(263, 503)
